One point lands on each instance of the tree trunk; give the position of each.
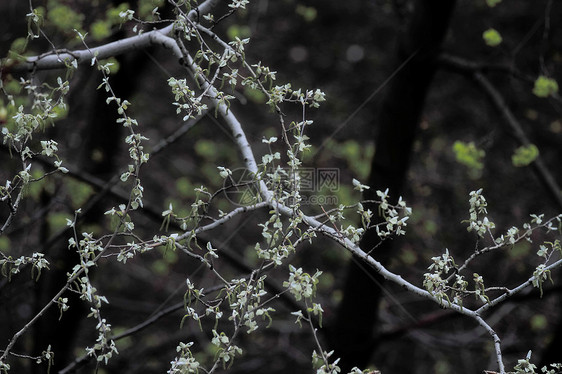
(353, 335)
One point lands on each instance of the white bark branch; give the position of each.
(267, 195)
(235, 127)
(59, 60)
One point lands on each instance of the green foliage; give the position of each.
(493, 3)
(79, 192)
(470, 156)
(18, 46)
(238, 31)
(112, 64)
(35, 189)
(524, 155)
(147, 6)
(60, 111)
(538, 322)
(63, 17)
(162, 266)
(492, 37)
(207, 149)
(545, 87)
(308, 13)
(409, 257)
(185, 188)
(13, 87)
(354, 153)
(100, 29)
(58, 221)
(520, 251)
(4, 244)
(254, 95)
(113, 13)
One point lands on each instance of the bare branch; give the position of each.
(474, 71)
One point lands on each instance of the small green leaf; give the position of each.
(308, 13)
(254, 95)
(58, 220)
(146, 7)
(112, 14)
(492, 37)
(469, 155)
(206, 149)
(5, 244)
(493, 3)
(524, 155)
(113, 66)
(100, 30)
(60, 112)
(240, 31)
(545, 87)
(18, 46)
(65, 18)
(538, 322)
(184, 187)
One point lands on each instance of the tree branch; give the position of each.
(133, 330)
(475, 72)
(250, 162)
(62, 59)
